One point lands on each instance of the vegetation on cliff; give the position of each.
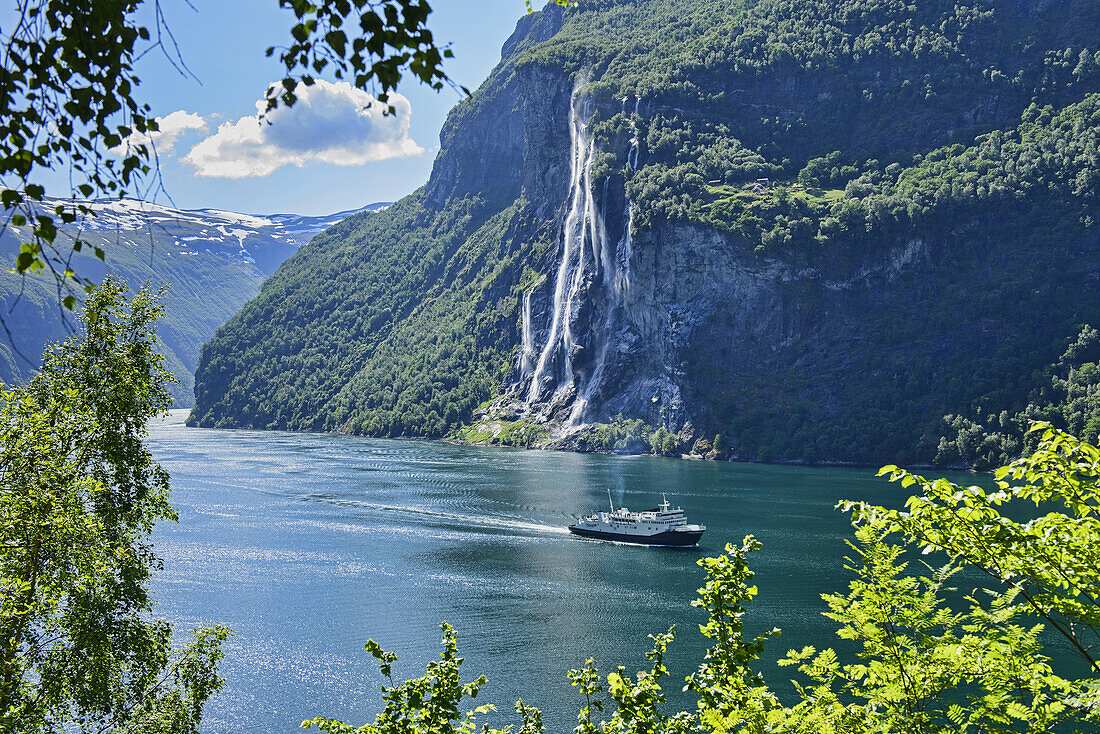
(1068, 396)
(866, 84)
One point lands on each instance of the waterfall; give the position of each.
(600, 240)
(570, 273)
(626, 248)
(526, 361)
(626, 251)
(573, 365)
(632, 153)
(618, 279)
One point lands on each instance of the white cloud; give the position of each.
(330, 123)
(172, 126)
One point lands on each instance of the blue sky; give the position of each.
(215, 158)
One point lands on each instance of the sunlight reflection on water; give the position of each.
(308, 544)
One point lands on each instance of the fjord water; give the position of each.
(306, 545)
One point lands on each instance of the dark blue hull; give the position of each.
(676, 539)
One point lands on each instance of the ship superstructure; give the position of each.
(662, 525)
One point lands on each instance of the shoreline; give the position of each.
(682, 457)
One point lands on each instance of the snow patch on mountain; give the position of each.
(263, 241)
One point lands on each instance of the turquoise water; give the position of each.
(308, 544)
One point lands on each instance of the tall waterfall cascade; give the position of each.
(591, 281)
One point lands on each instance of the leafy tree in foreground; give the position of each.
(79, 495)
(429, 704)
(931, 658)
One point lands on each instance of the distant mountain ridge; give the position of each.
(214, 261)
(265, 240)
(112, 214)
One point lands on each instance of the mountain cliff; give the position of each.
(812, 227)
(212, 262)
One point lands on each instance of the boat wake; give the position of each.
(402, 514)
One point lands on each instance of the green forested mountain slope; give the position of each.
(1067, 395)
(813, 227)
(340, 308)
(204, 292)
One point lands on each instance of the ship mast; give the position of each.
(610, 500)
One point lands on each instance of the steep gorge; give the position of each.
(638, 215)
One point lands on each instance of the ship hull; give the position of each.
(669, 538)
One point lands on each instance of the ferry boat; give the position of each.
(663, 525)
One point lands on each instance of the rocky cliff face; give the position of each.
(594, 241)
(486, 140)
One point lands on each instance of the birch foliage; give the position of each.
(79, 496)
